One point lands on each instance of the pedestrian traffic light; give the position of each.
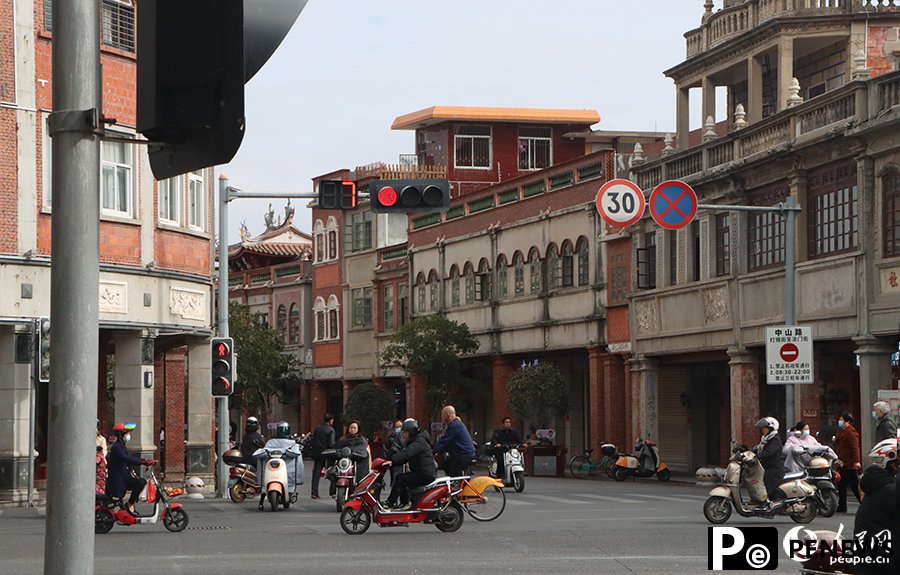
(43, 346)
(420, 195)
(193, 59)
(337, 195)
(222, 349)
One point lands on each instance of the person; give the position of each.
(799, 439)
(504, 437)
(770, 453)
(252, 440)
(849, 457)
(457, 442)
(100, 462)
(393, 445)
(422, 468)
(885, 427)
(359, 448)
(120, 475)
(878, 510)
(291, 455)
(323, 438)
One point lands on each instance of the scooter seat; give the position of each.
(794, 475)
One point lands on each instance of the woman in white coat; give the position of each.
(799, 439)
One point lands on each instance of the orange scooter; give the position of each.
(112, 510)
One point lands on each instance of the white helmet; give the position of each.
(769, 422)
(884, 452)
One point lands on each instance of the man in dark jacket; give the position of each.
(251, 441)
(393, 445)
(770, 453)
(323, 438)
(457, 442)
(422, 468)
(504, 437)
(119, 474)
(885, 428)
(878, 511)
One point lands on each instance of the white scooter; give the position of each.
(513, 467)
(282, 472)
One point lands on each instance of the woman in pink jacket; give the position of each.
(799, 438)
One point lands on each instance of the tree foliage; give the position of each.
(371, 406)
(264, 372)
(431, 346)
(538, 393)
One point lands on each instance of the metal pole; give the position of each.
(74, 289)
(35, 366)
(789, 237)
(222, 402)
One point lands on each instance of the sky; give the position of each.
(327, 97)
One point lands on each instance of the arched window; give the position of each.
(454, 286)
(319, 312)
(890, 186)
(584, 270)
(281, 322)
(470, 283)
(333, 315)
(294, 325)
(519, 273)
(433, 290)
(501, 277)
(554, 267)
(420, 292)
(534, 261)
(332, 232)
(568, 261)
(483, 281)
(319, 238)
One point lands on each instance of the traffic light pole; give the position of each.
(222, 402)
(74, 288)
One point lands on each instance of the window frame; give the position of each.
(502, 272)
(535, 273)
(554, 268)
(583, 252)
(129, 166)
(177, 197)
(647, 258)
(319, 240)
(387, 308)
(321, 333)
(518, 275)
(196, 206)
(833, 220)
(331, 232)
(361, 299)
(457, 137)
(618, 279)
(333, 319)
(293, 320)
(890, 206)
(529, 148)
(722, 224)
(281, 322)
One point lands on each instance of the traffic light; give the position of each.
(337, 195)
(193, 59)
(43, 346)
(421, 195)
(222, 349)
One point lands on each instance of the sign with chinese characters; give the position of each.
(789, 354)
(890, 280)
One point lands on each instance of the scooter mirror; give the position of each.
(345, 452)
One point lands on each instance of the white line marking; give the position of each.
(557, 499)
(654, 518)
(608, 498)
(517, 502)
(664, 498)
(593, 510)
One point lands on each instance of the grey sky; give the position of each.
(328, 96)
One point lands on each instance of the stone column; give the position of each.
(754, 89)
(306, 423)
(744, 366)
(199, 446)
(596, 397)
(708, 88)
(134, 402)
(614, 392)
(785, 69)
(683, 117)
(630, 404)
(173, 422)
(15, 383)
(647, 370)
(318, 403)
(346, 388)
(502, 370)
(415, 400)
(874, 374)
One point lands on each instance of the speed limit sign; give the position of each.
(620, 202)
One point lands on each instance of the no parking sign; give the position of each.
(673, 204)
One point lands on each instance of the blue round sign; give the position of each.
(673, 204)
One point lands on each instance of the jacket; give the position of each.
(418, 454)
(359, 453)
(323, 438)
(456, 440)
(393, 445)
(771, 455)
(250, 443)
(505, 437)
(877, 511)
(886, 429)
(118, 470)
(100, 464)
(795, 444)
(846, 444)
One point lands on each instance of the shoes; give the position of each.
(314, 497)
(841, 510)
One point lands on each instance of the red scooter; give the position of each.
(435, 503)
(110, 511)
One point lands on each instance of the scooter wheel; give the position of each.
(451, 519)
(807, 515)
(519, 481)
(621, 474)
(176, 519)
(274, 500)
(717, 510)
(355, 521)
(103, 521)
(237, 493)
(828, 504)
(663, 475)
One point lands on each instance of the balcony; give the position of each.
(382, 171)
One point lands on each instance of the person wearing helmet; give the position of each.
(878, 510)
(283, 430)
(849, 457)
(252, 440)
(417, 453)
(120, 477)
(770, 454)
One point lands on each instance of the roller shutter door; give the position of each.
(674, 439)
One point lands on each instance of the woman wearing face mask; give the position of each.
(359, 448)
(798, 440)
(120, 475)
(393, 445)
(849, 457)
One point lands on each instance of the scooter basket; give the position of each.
(608, 449)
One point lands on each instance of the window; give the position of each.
(890, 186)
(422, 298)
(834, 210)
(294, 325)
(433, 292)
(454, 286)
(584, 272)
(402, 305)
(46, 163)
(519, 274)
(472, 147)
(568, 264)
(319, 311)
(331, 231)
(618, 278)
(333, 313)
(766, 229)
(170, 192)
(483, 282)
(116, 162)
(723, 245)
(319, 238)
(534, 259)
(647, 262)
(117, 24)
(554, 268)
(196, 200)
(362, 306)
(672, 241)
(695, 246)
(387, 307)
(535, 148)
(281, 322)
(470, 285)
(391, 229)
(48, 15)
(501, 277)
(360, 232)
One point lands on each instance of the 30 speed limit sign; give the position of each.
(620, 202)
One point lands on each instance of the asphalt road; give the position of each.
(555, 526)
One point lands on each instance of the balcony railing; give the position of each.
(384, 171)
(303, 269)
(855, 102)
(735, 20)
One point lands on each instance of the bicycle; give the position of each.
(482, 497)
(582, 466)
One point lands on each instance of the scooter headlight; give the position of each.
(343, 465)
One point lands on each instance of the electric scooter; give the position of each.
(242, 480)
(282, 472)
(342, 474)
(645, 463)
(513, 466)
(112, 510)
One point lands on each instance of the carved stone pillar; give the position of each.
(134, 399)
(744, 366)
(199, 446)
(596, 394)
(647, 370)
(874, 374)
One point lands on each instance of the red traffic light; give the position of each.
(221, 350)
(387, 196)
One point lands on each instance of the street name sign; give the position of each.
(673, 204)
(620, 202)
(789, 354)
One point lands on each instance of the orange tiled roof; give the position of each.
(437, 114)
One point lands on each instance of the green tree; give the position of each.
(371, 406)
(264, 372)
(538, 393)
(431, 346)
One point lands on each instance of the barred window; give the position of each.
(454, 287)
(647, 262)
(535, 148)
(470, 286)
(48, 15)
(535, 271)
(403, 316)
(387, 308)
(584, 272)
(618, 278)
(294, 325)
(519, 279)
(890, 186)
(834, 210)
(472, 147)
(117, 24)
(766, 229)
(281, 322)
(723, 245)
(362, 307)
(554, 268)
(502, 271)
